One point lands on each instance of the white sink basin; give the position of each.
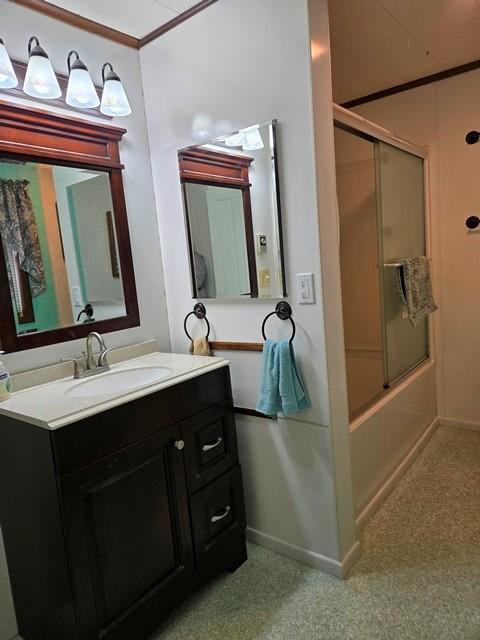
(118, 381)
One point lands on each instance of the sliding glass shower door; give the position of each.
(381, 199)
(401, 234)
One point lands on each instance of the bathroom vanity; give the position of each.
(117, 503)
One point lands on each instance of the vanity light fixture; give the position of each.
(236, 140)
(114, 99)
(249, 139)
(8, 78)
(40, 79)
(81, 91)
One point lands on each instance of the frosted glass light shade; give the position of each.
(40, 79)
(81, 91)
(253, 139)
(236, 140)
(114, 99)
(8, 78)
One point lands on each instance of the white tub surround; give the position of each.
(57, 403)
(386, 438)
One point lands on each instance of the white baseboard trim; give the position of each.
(393, 479)
(305, 556)
(469, 425)
(349, 560)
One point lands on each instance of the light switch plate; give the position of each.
(77, 297)
(305, 288)
(261, 243)
(264, 278)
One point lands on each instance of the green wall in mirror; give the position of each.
(60, 246)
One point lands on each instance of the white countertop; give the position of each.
(49, 406)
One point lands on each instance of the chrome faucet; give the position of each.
(93, 365)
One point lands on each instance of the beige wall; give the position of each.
(59, 270)
(365, 378)
(438, 116)
(357, 203)
(359, 255)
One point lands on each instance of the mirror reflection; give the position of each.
(232, 207)
(59, 242)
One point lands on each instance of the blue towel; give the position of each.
(282, 389)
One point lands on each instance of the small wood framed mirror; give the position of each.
(65, 258)
(232, 205)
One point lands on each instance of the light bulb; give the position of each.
(8, 78)
(81, 92)
(40, 79)
(114, 99)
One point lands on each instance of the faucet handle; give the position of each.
(102, 358)
(78, 367)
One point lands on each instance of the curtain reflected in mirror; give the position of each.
(59, 245)
(232, 207)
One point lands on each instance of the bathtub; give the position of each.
(386, 437)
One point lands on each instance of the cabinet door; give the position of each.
(128, 538)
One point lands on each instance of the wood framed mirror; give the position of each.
(66, 264)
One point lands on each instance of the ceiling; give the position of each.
(378, 44)
(136, 18)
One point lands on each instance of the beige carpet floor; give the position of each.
(418, 577)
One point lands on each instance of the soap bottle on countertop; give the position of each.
(5, 381)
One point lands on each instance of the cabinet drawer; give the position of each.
(210, 445)
(81, 443)
(218, 517)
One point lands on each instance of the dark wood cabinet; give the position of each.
(127, 531)
(136, 528)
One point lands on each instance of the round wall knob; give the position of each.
(179, 444)
(472, 137)
(472, 222)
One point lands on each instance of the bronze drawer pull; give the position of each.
(221, 516)
(209, 447)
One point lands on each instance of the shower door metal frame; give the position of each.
(359, 126)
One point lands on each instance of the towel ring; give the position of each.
(199, 312)
(283, 311)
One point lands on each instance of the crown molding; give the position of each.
(68, 17)
(186, 15)
(413, 84)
